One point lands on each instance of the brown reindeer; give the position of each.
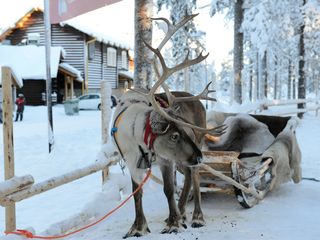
(167, 130)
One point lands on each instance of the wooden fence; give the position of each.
(289, 107)
(15, 189)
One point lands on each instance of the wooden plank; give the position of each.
(208, 175)
(215, 190)
(7, 107)
(220, 160)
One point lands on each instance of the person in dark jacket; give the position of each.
(20, 102)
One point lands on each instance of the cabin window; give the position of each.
(91, 48)
(111, 57)
(124, 59)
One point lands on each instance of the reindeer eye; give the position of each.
(175, 136)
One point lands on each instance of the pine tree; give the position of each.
(142, 55)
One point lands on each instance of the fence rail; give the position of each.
(288, 107)
(15, 189)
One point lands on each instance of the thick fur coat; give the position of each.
(265, 136)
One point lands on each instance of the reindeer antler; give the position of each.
(171, 30)
(168, 71)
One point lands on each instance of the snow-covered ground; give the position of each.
(290, 212)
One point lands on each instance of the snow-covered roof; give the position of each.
(72, 71)
(99, 34)
(16, 77)
(126, 74)
(108, 24)
(29, 62)
(112, 24)
(15, 18)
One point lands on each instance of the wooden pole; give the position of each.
(7, 107)
(48, 71)
(72, 87)
(105, 119)
(66, 79)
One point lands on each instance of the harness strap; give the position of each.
(148, 134)
(114, 129)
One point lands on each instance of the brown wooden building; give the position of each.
(96, 58)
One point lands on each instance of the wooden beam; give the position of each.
(72, 86)
(65, 87)
(7, 107)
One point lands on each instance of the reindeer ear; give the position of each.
(158, 123)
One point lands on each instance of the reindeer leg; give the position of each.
(174, 219)
(140, 226)
(197, 217)
(185, 192)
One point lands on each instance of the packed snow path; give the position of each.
(290, 212)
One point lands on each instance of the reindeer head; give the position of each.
(175, 132)
(174, 141)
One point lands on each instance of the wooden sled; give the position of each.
(250, 178)
(253, 180)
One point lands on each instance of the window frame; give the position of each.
(111, 57)
(124, 59)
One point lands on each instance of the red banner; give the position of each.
(61, 10)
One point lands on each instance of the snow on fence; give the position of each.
(31, 190)
(289, 107)
(15, 189)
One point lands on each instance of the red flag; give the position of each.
(61, 10)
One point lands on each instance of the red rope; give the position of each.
(28, 234)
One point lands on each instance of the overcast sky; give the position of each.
(219, 36)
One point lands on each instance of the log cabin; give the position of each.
(87, 57)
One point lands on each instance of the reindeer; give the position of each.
(164, 129)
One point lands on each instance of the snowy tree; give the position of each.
(142, 55)
(224, 79)
(185, 39)
(312, 45)
(281, 46)
(302, 79)
(238, 11)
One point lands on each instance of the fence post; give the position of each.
(105, 119)
(7, 106)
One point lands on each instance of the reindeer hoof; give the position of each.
(184, 218)
(197, 223)
(133, 232)
(173, 227)
(168, 229)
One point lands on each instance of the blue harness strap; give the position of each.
(114, 129)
